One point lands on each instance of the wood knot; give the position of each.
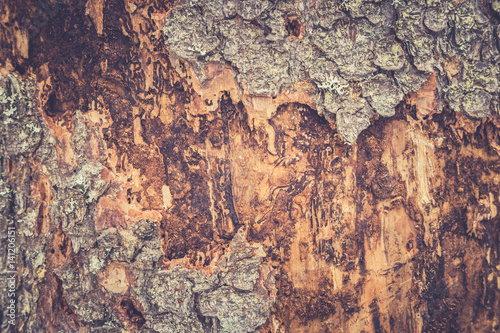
(409, 245)
(293, 26)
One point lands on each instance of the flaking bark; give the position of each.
(243, 166)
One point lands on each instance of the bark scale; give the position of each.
(152, 189)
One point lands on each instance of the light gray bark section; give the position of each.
(387, 47)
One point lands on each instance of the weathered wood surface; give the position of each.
(398, 232)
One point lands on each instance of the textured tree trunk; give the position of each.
(153, 181)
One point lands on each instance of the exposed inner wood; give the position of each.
(398, 232)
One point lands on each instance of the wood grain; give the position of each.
(398, 232)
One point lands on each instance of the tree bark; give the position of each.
(153, 180)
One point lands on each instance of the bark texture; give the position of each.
(241, 166)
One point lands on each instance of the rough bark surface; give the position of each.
(241, 166)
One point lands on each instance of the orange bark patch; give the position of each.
(425, 99)
(114, 279)
(108, 215)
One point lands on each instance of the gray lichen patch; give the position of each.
(23, 144)
(388, 45)
(78, 191)
(325, 74)
(383, 94)
(435, 18)
(194, 38)
(353, 120)
(410, 79)
(263, 70)
(236, 312)
(87, 303)
(477, 103)
(251, 9)
(79, 280)
(20, 128)
(236, 297)
(177, 296)
(352, 52)
(6, 197)
(389, 54)
(139, 245)
(77, 188)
